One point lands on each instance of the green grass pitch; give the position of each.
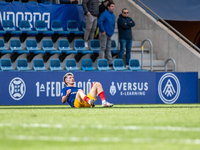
(151, 127)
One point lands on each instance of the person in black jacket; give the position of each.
(125, 23)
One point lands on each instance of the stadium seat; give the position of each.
(56, 26)
(9, 27)
(134, 65)
(54, 65)
(15, 46)
(71, 65)
(47, 46)
(63, 46)
(25, 27)
(31, 46)
(114, 49)
(22, 65)
(72, 27)
(38, 65)
(83, 25)
(102, 65)
(41, 27)
(118, 65)
(3, 49)
(95, 47)
(79, 46)
(6, 65)
(87, 65)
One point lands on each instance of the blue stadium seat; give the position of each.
(54, 65)
(38, 65)
(114, 49)
(118, 65)
(3, 49)
(6, 65)
(73, 27)
(48, 2)
(102, 65)
(22, 65)
(95, 45)
(47, 46)
(87, 65)
(56, 26)
(25, 27)
(31, 46)
(134, 65)
(15, 46)
(9, 27)
(41, 27)
(83, 25)
(63, 46)
(71, 65)
(79, 46)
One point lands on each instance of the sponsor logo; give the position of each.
(17, 88)
(129, 88)
(169, 88)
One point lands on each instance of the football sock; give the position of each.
(102, 96)
(86, 99)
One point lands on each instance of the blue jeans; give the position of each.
(125, 44)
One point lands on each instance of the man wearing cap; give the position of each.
(77, 98)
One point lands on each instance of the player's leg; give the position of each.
(81, 98)
(98, 89)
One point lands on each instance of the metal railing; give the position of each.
(151, 53)
(170, 27)
(172, 61)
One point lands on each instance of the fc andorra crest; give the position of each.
(17, 88)
(169, 88)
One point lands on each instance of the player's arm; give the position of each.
(64, 98)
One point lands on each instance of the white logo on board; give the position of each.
(170, 92)
(17, 88)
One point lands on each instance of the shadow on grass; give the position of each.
(99, 106)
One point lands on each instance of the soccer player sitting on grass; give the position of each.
(77, 98)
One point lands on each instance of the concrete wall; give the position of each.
(165, 43)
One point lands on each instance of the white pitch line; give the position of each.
(103, 139)
(32, 125)
(105, 127)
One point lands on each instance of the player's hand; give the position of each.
(68, 92)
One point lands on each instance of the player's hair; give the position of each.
(108, 5)
(66, 75)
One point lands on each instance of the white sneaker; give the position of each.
(86, 44)
(127, 66)
(91, 102)
(107, 104)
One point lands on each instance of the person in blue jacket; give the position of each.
(125, 23)
(106, 25)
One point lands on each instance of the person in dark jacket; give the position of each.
(91, 8)
(103, 6)
(106, 25)
(125, 23)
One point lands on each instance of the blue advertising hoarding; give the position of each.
(44, 88)
(38, 11)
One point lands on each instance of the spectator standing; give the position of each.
(125, 23)
(91, 8)
(103, 7)
(106, 25)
